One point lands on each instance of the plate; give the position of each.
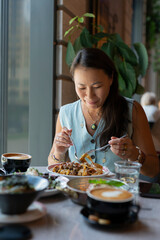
(106, 172)
(107, 224)
(50, 192)
(35, 211)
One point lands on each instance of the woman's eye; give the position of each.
(97, 86)
(81, 88)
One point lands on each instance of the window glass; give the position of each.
(18, 75)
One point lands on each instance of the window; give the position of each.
(26, 77)
(18, 97)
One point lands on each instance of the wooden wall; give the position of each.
(66, 9)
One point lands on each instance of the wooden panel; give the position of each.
(65, 93)
(76, 7)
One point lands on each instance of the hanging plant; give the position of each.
(131, 64)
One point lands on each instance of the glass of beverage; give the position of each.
(128, 172)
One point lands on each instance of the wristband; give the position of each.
(141, 156)
(55, 159)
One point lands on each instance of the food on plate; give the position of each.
(83, 160)
(32, 171)
(14, 184)
(77, 169)
(53, 181)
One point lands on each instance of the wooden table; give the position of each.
(63, 221)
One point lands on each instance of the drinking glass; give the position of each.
(128, 172)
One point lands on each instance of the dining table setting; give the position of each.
(63, 220)
(69, 207)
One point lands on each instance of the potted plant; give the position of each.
(131, 63)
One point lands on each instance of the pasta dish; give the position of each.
(78, 169)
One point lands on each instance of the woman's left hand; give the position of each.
(122, 147)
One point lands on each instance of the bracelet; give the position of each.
(56, 159)
(141, 156)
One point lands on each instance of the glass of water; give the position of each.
(128, 172)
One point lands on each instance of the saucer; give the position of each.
(106, 223)
(34, 212)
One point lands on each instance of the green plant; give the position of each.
(131, 64)
(153, 31)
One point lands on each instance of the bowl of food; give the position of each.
(55, 182)
(17, 192)
(75, 170)
(77, 188)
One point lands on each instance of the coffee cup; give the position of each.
(111, 203)
(15, 162)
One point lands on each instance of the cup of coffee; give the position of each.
(15, 162)
(110, 202)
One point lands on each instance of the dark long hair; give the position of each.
(115, 110)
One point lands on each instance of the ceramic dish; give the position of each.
(97, 221)
(35, 211)
(50, 192)
(106, 172)
(76, 188)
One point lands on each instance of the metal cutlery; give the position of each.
(92, 150)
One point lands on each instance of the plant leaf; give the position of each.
(127, 53)
(142, 57)
(80, 19)
(121, 83)
(128, 92)
(108, 182)
(115, 37)
(128, 74)
(68, 31)
(139, 89)
(89, 15)
(70, 54)
(77, 45)
(108, 48)
(85, 38)
(72, 20)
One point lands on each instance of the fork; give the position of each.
(92, 150)
(75, 150)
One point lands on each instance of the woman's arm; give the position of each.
(141, 146)
(60, 145)
(143, 139)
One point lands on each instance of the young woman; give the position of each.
(101, 116)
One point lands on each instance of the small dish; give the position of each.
(105, 223)
(106, 172)
(35, 211)
(50, 192)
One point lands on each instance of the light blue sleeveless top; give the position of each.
(71, 117)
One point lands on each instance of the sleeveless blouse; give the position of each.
(71, 117)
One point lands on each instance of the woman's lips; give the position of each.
(92, 103)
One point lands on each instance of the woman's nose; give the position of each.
(90, 93)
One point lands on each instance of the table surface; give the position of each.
(63, 221)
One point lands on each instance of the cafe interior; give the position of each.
(35, 82)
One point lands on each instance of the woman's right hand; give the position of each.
(62, 141)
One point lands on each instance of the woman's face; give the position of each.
(92, 86)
